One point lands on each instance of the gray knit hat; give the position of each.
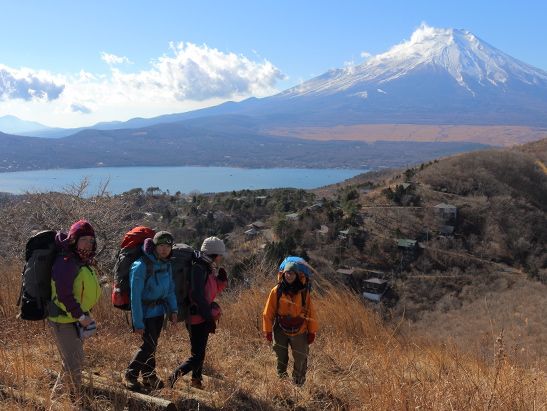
(163, 237)
(213, 245)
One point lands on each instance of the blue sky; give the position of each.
(73, 63)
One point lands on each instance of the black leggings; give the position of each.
(199, 334)
(144, 360)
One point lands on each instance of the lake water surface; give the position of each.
(183, 179)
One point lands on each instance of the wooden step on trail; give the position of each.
(118, 394)
(120, 397)
(184, 393)
(112, 388)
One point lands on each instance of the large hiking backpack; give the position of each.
(182, 258)
(130, 251)
(35, 295)
(304, 272)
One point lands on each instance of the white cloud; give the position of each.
(365, 55)
(27, 84)
(199, 72)
(112, 59)
(196, 73)
(80, 108)
(190, 76)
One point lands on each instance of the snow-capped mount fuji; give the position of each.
(471, 62)
(439, 76)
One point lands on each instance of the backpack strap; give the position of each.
(279, 292)
(149, 268)
(150, 273)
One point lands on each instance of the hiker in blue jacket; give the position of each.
(152, 297)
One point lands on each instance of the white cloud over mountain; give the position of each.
(28, 84)
(199, 72)
(189, 77)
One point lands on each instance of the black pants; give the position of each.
(199, 334)
(144, 361)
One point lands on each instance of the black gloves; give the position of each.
(211, 326)
(222, 274)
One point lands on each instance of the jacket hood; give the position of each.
(62, 241)
(148, 248)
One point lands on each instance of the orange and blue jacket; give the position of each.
(290, 306)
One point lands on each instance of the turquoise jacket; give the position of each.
(154, 295)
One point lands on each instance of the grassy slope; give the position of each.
(356, 363)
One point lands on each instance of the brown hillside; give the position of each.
(491, 135)
(477, 282)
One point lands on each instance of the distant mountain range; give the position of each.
(440, 77)
(14, 125)
(193, 143)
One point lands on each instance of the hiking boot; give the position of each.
(153, 382)
(283, 375)
(131, 382)
(196, 383)
(299, 383)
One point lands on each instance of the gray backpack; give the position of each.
(35, 294)
(182, 259)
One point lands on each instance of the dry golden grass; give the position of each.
(511, 305)
(356, 363)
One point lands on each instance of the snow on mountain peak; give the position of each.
(469, 60)
(459, 52)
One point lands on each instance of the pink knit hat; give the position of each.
(79, 229)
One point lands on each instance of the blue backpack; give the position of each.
(304, 272)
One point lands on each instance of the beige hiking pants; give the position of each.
(72, 355)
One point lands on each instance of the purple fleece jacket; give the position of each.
(64, 271)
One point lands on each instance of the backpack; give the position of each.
(182, 258)
(130, 251)
(304, 270)
(35, 295)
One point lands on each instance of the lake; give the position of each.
(183, 179)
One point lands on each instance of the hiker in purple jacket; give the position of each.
(74, 291)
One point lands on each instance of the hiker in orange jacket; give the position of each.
(289, 319)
